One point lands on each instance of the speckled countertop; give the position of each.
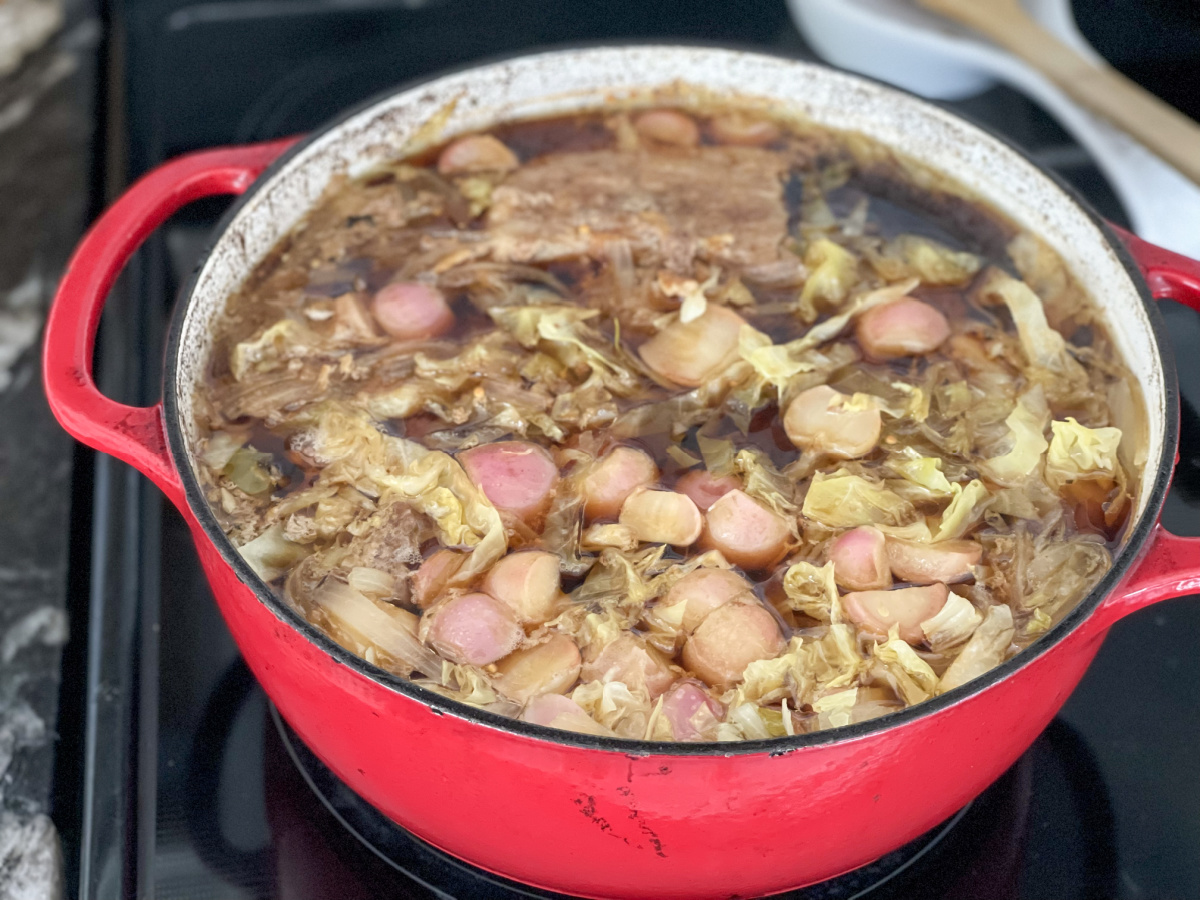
(46, 126)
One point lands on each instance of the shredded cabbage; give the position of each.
(271, 554)
(1078, 452)
(966, 507)
(833, 271)
(910, 677)
(615, 706)
(811, 590)
(1027, 426)
(953, 625)
(907, 255)
(844, 500)
(987, 648)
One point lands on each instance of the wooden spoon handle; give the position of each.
(1100, 88)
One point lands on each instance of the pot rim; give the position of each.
(1135, 542)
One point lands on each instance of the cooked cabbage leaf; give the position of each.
(953, 625)
(833, 271)
(1078, 452)
(845, 500)
(1027, 426)
(811, 590)
(909, 676)
(965, 509)
(987, 648)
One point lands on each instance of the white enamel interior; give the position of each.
(564, 81)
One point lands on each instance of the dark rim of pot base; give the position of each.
(1126, 556)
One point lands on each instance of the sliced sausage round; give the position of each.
(875, 612)
(411, 311)
(904, 327)
(431, 578)
(945, 561)
(473, 628)
(746, 532)
(860, 560)
(691, 713)
(729, 639)
(819, 421)
(528, 583)
(515, 475)
(690, 353)
(704, 488)
(476, 153)
(668, 126)
(551, 667)
(611, 479)
(662, 517)
(634, 663)
(703, 590)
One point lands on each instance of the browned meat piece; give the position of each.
(394, 545)
(665, 205)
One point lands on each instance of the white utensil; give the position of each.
(896, 41)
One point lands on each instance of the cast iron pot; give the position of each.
(595, 816)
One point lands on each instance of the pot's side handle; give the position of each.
(1170, 567)
(133, 434)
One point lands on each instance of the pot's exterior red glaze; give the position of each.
(627, 825)
(584, 815)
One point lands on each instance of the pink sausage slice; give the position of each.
(473, 628)
(515, 475)
(860, 560)
(747, 131)
(526, 582)
(613, 478)
(729, 639)
(634, 663)
(747, 533)
(703, 590)
(690, 353)
(904, 327)
(704, 488)
(668, 126)
(875, 612)
(691, 713)
(476, 153)
(433, 575)
(411, 311)
(946, 561)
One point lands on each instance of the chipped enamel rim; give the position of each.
(563, 81)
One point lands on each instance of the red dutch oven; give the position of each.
(594, 816)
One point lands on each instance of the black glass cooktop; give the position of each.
(187, 786)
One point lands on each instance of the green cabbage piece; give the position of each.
(611, 703)
(988, 647)
(1063, 571)
(844, 500)
(430, 481)
(774, 364)
(1078, 452)
(284, 340)
(1027, 426)
(811, 590)
(766, 484)
(909, 676)
(1044, 347)
(924, 472)
(833, 271)
(967, 505)
(908, 255)
(271, 554)
(953, 625)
